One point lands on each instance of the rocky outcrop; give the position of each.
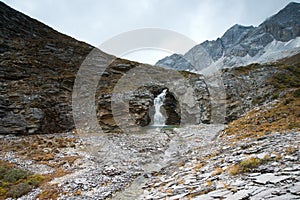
(175, 61)
(276, 38)
(255, 84)
(37, 73)
(38, 68)
(284, 26)
(187, 99)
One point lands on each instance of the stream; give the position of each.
(171, 147)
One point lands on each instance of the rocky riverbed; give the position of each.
(194, 162)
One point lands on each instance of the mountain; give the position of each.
(38, 66)
(42, 73)
(276, 38)
(38, 69)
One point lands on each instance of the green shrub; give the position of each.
(250, 163)
(14, 175)
(2, 191)
(35, 180)
(3, 170)
(15, 182)
(297, 93)
(246, 165)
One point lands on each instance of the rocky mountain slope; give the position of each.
(37, 73)
(277, 37)
(39, 66)
(254, 156)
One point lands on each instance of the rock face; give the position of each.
(138, 106)
(175, 61)
(257, 84)
(276, 38)
(38, 67)
(37, 73)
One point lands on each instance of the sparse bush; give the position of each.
(290, 150)
(297, 93)
(246, 165)
(3, 170)
(234, 169)
(19, 190)
(35, 180)
(16, 182)
(15, 174)
(208, 183)
(51, 192)
(2, 191)
(250, 163)
(275, 96)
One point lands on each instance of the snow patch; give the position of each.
(274, 51)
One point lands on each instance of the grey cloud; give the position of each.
(96, 21)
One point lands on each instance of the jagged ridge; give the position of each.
(276, 38)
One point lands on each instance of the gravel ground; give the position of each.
(195, 162)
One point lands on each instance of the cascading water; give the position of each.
(159, 119)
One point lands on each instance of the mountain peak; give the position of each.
(290, 12)
(275, 38)
(235, 34)
(293, 4)
(285, 24)
(237, 27)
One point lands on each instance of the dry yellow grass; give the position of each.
(198, 166)
(208, 183)
(276, 117)
(233, 169)
(217, 171)
(247, 165)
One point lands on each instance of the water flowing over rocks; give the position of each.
(38, 69)
(159, 119)
(198, 158)
(38, 75)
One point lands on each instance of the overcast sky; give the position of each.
(95, 21)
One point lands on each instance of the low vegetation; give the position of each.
(246, 165)
(217, 171)
(246, 69)
(288, 77)
(40, 149)
(15, 182)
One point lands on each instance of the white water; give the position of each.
(159, 119)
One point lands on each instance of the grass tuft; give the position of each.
(15, 182)
(247, 165)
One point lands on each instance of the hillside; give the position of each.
(39, 67)
(230, 135)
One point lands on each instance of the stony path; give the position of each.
(185, 163)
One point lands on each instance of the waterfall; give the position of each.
(159, 119)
